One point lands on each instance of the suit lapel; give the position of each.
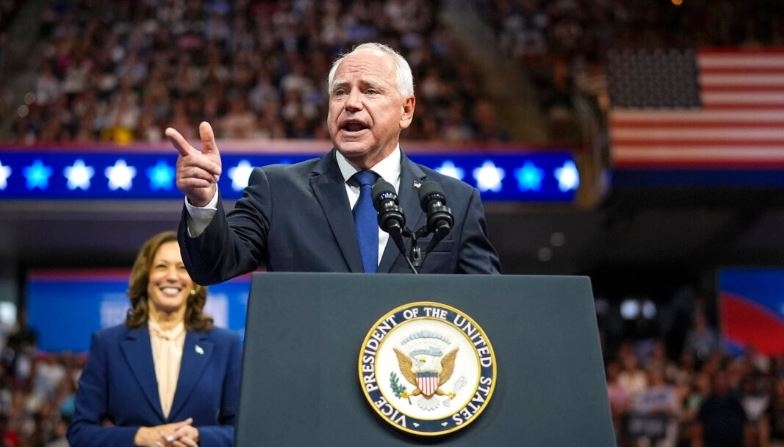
(411, 176)
(196, 353)
(137, 350)
(329, 188)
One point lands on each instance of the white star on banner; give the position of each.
(488, 177)
(568, 176)
(240, 175)
(449, 169)
(78, 175)
(120, 175)
(5, 172)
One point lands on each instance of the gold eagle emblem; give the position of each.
(417, 367)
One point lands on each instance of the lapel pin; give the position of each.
(199, 350)
(417, 184)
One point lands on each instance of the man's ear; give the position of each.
(408, 112)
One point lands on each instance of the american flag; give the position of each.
(696, 108)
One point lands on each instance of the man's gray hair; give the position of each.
(404, 78)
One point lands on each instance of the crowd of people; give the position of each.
(255, 69)
(123, 71)
(37, 391)
(531, 29)
(702, 396)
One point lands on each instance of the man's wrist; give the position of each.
(211, 204)
(198, 218)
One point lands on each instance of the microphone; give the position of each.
(390, 215)
(439, 216)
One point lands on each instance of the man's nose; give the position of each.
(354, 100)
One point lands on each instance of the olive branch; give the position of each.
(397, 388)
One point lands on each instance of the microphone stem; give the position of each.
(398, 238)
(411, 266)
(414, 258)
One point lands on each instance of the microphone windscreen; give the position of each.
(430, 190)
(383, 190)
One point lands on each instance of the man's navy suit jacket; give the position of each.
(118, 387)
(298, 218)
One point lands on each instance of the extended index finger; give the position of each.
(179, 142)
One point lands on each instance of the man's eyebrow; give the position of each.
(372, 82)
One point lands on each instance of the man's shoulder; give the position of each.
(305, 166)
(288, 171)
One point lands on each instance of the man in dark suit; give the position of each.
(299, 217)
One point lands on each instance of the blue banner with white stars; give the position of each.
(546, 176)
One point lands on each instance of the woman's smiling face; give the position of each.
(170, 284)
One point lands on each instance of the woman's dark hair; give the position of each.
(195, 318)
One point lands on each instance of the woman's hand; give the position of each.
(176, 434)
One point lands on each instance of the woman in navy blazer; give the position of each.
(167, 377)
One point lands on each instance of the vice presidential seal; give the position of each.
(427, 368)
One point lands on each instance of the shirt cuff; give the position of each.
(199, 218)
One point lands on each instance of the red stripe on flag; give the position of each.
(744, 88)
(653, 143)
(644, 124)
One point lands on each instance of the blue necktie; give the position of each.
(366, 220)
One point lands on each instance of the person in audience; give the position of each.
(655, 412)
(701, 340)
(167, 376)
(772, 422)
(699, 388)
(755, 398)
(721, 420)
(618, 398)
(631, 377)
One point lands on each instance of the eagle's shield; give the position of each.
(427, 382)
